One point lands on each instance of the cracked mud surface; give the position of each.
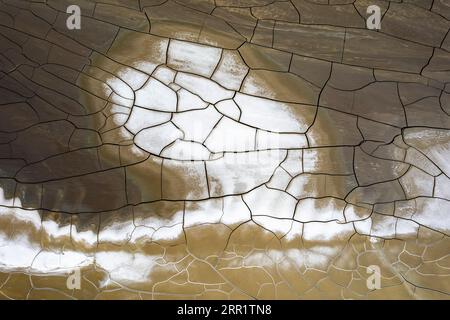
(227, 149)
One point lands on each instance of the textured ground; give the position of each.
(224, 149)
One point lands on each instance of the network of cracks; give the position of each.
(224, 149)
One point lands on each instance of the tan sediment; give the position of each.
(214, 260)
